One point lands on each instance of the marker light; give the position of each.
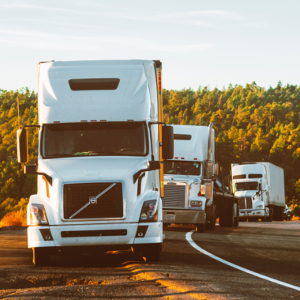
(196, 203)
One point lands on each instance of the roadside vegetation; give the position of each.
(251, 124)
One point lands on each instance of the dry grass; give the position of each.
(14, 219)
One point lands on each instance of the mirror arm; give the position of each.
(49, 178)
(31, 169)
(138, 173)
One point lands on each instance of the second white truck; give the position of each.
(193, 193)
(260, 187)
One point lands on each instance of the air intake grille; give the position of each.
(109, 204)
(245, 203)
(174, 196)
(249, 202)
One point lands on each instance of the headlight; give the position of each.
(259, 207)
(149, 211)
(38, 214)
(196, 203)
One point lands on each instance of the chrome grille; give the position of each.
(109, 205)
(174, 196)
(249, 202)
(245, 203)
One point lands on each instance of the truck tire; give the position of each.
(264, 218)
(280, 213)
(152, 252)
(270, 218)
(230, 216)
(222, 220)
(237, 218)
(41, 257)
(200, 227)
(211, 224)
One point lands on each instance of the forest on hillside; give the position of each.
(251, 124)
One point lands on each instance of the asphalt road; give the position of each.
(269, 249)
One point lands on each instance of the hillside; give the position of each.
(251, 124)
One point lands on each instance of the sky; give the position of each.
(200, 42)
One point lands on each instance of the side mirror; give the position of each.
(153, 165)
(22, 149)
(168, 142)
(30, 169)
(216, 169)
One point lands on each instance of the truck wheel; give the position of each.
(152, 253)
(200, 227)
(41, 257)
(230, 216)
(264, 218)
(222, 220)
(270, 218)
(280, 213)
(237, 218)
(212, 222)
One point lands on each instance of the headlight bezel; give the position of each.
(196, 203)
(38, 214)
(149, 211)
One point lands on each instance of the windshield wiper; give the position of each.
(60, 155)
(94, 153)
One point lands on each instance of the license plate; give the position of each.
(170, 217)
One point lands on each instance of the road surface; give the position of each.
(271, 250)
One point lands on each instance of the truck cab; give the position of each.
(99, 158)
(188, 178)
(260, 187)
(249, 184)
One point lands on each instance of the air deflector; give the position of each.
(94, 84)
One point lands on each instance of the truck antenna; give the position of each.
(18, 110)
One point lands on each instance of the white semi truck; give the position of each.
(101, 148)
(188, 177)
(190, 195)
(260, 187)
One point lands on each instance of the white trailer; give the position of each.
(99, 158)
(189, 178)
(260, 186)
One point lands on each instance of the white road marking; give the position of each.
(188, 237)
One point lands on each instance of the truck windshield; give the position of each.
(246, 186)
(98, 139)
(182, 167)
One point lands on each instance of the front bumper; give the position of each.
(254, 213)
(184, 216)
(95, 235)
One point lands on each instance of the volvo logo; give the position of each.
(93, 200)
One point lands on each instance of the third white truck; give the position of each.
(260, 187)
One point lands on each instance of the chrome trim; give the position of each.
(186, 200)
(91, 219)
(93, 200)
